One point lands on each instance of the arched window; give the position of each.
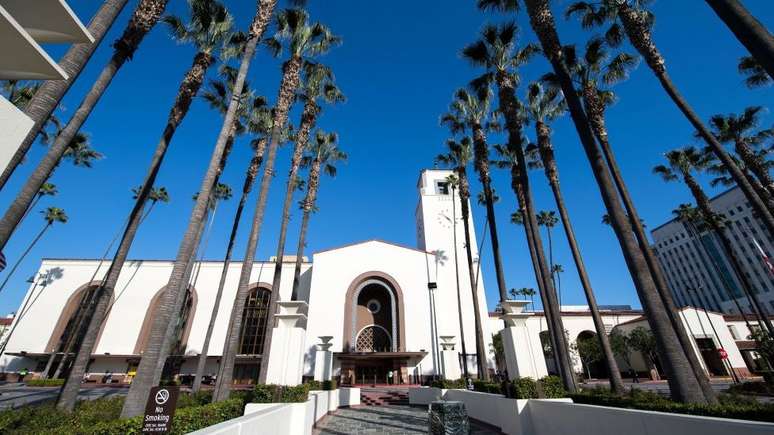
(254, 319)
(182, 328)
(72, 317)
(373, 339)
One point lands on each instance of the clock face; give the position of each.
(444, 220)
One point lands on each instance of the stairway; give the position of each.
(383, 397)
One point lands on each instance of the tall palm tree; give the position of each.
(321, 157)
(498, 52)
(748, 30)
(222, 192)
(317, 83)
(47, 189)
(470, 112)
(208, 28)
(305, 40)
(683, 383)
(145, 17)
(47, 96)
(257, 120)
(543, 106)
(754, 74)
(459, 155)
(681, 165)
(742, 132)
(51, 215)
(632, 19)
(548, 219)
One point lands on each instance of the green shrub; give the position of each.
(280, 394)
(45, 382)
(524, 388)
(730, 406)
(449, 384)
(752, 388)
(329, 385)
(487, 387)
(553, 388)
(313, 385)
(199, 398)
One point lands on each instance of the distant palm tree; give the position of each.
(208, 29)
(47, 189)
(755, 75)
(305, 40)
(321, 156)
(458, 157)
(742, 132)
(51, 215)
(145, 17)
(635, 21)
(43, 102)
(681, 165)
(548, 219)
(748, 30)
(317, 83)
(683, 384)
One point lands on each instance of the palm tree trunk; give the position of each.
(290, 80)
(32, 207)
(308, 120)
(465, 372)
(48, 97)
(482, 167)
(539, 278)
(709, 216)
(483, 372)
(309, 201)
(552, 174)
(638, 32)
(598, 126)
(748, 30)
(683, 383)
(189, 87)
(24, 254)
(252, 171)
(145, 17)
(82, 316)
(509, 107)
(754, 165)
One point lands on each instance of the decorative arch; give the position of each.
(150, 314)
(255, 317)
(65, 323)
(373, 338)
(398, 336)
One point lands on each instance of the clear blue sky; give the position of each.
(399, 66)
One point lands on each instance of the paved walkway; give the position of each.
(391, 420)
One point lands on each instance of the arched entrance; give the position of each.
(591, 356)
(374, 334)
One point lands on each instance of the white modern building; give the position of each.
(699, 273)
(370, 312)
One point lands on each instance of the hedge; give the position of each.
(280, 394)
(45, 382)
(730, 406)
(449, 384)
(752, 388)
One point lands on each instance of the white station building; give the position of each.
(370, 312)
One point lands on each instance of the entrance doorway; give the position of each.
(711, 357)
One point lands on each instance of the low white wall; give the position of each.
(286, 418)
(425, 395)
(558, 418)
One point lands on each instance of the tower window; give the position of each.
(442, 187)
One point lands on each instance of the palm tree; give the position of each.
(305, 40)
(459, 155)
(755, 75)
(470, 112)
(47, 189)
(317, 83)
(321, 157)
(46, 97)
(548, 219)
(748, 30)
(145, 17)
(632, 19)
(208, 29)
(742, 131)
(51, 215)
(543, 106)
(222, 192)
(681, 165)
(683, 384)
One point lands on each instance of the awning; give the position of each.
(21, 57)
(48, 21)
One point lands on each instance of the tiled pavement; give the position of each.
(392, 420)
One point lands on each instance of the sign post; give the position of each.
(160, 409)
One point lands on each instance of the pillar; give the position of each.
(450, 360)
(286, 356)
(523, 355)
(323, 359)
